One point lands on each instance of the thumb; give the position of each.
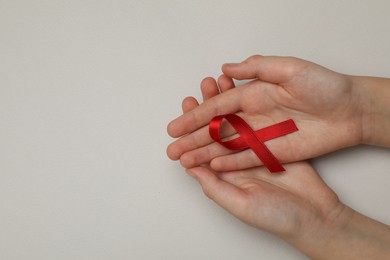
(266, 68)
(221, 192)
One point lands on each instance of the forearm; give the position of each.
(376, 109)
(347, 235)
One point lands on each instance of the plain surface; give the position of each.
(86, 91)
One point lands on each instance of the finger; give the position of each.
(196, 140)
(225, 103)
(242, 178)
(200, 139)
(203, 155)
(225, 83)
(267, 68)
(228, 196)
(189, 142)
(188, 104)
(192, 154)
(174, 150)
(209, 88)
(280, 147)
(237, 161)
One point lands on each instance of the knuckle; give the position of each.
(187, 161)
(253, 59)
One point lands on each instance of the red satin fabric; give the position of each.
(252, 139)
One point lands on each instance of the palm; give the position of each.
(318, 100)
(280, 204)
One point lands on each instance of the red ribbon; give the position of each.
(252, 139)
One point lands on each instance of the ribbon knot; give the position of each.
(252, 139)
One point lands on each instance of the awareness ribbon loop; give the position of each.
(252, 139)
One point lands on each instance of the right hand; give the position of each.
(326, 106)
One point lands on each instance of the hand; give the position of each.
(290, 205)
(325, 105)
(298, 207)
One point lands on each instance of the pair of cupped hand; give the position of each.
(325, 106)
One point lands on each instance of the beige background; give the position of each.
(86, 91)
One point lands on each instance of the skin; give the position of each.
(297, 205)
(325, 106)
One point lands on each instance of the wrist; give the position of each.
(318, 240)
(375, 110)
(345, 234)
